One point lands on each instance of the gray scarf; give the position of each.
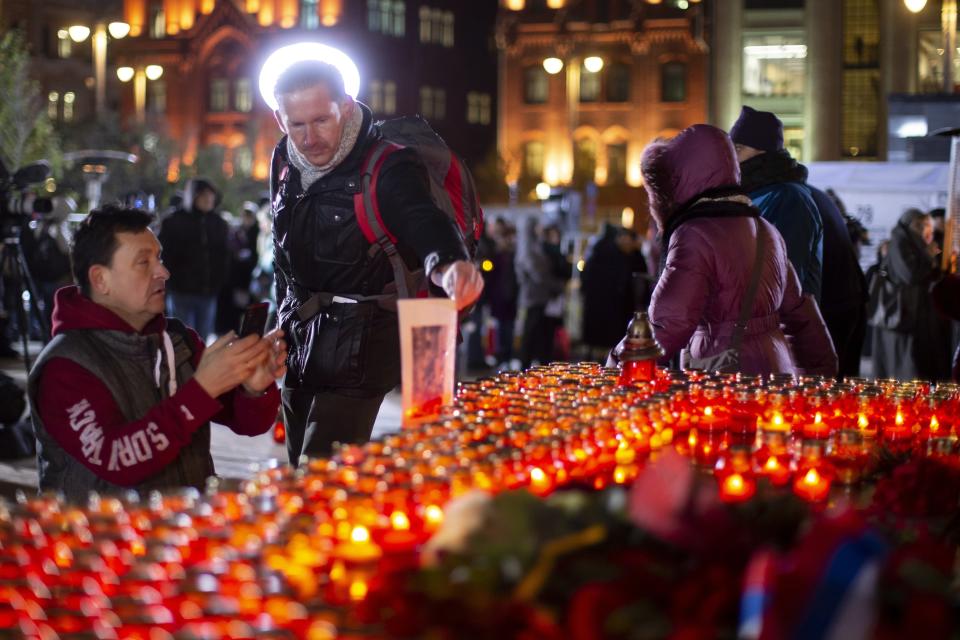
(309, 172)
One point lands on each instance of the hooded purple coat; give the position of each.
(709, 261)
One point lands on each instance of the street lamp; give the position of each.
(140, 77)
(915, 6)
(593, 64)
(553, 66)
(78, 33)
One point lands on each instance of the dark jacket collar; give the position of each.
(770, 168)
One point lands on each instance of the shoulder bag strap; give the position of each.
(747, 305)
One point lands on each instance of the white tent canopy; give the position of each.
(877, 193)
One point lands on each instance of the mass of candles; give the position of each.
(296, 552)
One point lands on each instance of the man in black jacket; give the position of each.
(334, 289)
(194, 240)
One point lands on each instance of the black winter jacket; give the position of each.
(319, 247)
(195, 251)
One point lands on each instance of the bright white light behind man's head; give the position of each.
(281, 59)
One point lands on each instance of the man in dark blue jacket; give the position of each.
(775, 183)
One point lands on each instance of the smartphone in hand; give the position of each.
(254, 320)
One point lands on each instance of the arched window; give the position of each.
(533, 158)
(584, 160)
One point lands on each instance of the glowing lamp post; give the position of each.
(79, 33)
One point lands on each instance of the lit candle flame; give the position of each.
(772, 464)
(811, 478)
(360, 534)
(862, 421)
(818, 418)
(708, 411)
(899, 419)
(433, 514)
(934, 423)
(399, 521)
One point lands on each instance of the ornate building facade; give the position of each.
(189, 68)
(584, 86)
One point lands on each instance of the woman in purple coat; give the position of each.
(708, 229)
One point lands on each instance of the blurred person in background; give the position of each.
(197, 255)
(539, 283)
(608, 289)
(910, 338)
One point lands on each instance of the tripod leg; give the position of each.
(37, 304)
(13, 292)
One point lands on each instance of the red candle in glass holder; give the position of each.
(737, 487)
(816, 429)
(812, 484)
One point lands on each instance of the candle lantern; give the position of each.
(814, 474)
(638, 360)
(848, 455)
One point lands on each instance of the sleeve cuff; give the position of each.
(195, 405)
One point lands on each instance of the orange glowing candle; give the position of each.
(737, 487)
(812, 485)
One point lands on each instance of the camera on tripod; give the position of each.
(17, 202)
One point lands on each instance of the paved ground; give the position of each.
(234, 456)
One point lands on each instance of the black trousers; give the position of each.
(847, 330)
(315, 420)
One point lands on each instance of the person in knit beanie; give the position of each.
(776, 184)
(814, 228)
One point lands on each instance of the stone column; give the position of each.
(726, 73)
(823, 100)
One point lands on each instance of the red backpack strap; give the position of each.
(367, 210)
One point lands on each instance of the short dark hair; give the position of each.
(95, 241)
(308, 73)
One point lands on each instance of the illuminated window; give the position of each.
(64, 47)
(536, 85)
(219, 94)
(373, 15)
(68, 99)
(157, 96)
(310, 14)
(433, 102)
(617, 163)
(774, 65)
(478, 108)
(243, 95)
(447, 28)
(158, 22)
(618, 83)
(584, 160)
(426, 102)
(243, 160)
(53, 104)
(436, 26)
(589, 85)
(390, 98)
(673, 82)
(387, 17)
(399, 19)
(376, 96)
(439, 104)
(863, 98)
(533, 158)
(426, 24)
